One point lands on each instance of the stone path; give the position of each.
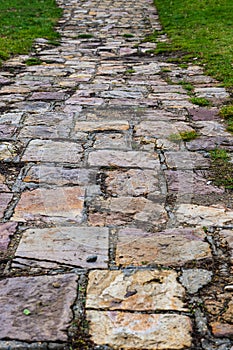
(109, 222)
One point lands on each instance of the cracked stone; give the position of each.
(53, 151)
(123, 330)
(66, 245)
(4, 201)
(7, 230)
(50, 308)
(64, 203)
(172, 247)
(7, 151)
(134, 290)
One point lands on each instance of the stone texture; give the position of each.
(59, 204)
(132, 183)
(203, 114)
(130, 208)
(193, 280)
(5, 199)
(49, 300)
(161, 129)
(134, 290)
(122, 330)
(89, 126)
(222, 329)
(7, 230)
(44, 96)
(186, 160)
(203, 216)
(112, 141)
(129, 159)
(227, 236)
(60, 175)
(66, 245)
(7, 151)
(52, 151)
(172, 247)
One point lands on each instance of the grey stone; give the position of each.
(193, 280)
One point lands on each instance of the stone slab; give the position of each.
(60, 175)
(7, 151)
(47, 96)
(193, 280)
(222, 329)
(161, 129)
(114, 125)
(48, 299)
(61, 203)
(172, 247)
(133, 182)
(116, 141)
(66, 245)
(227, 236)
(5, 199)
(186, 160)
(123, 330)
(52, 151)
(128, 159)
(7, 230)
(134, 290)
(204, 216)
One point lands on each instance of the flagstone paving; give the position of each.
(112, 234)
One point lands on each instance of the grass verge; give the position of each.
(221, 169)
(202, 28)
(22, 21)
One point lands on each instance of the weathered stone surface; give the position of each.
(193, 280)
(60, 175)
(161, 129)
(211, 92)
(212, 129)
(227, 236)
(53, 151)
(112, 141)
(6, 131)
(134, 290)
(43, 132)
(116, 125)
(123, 330)
(5, 199)
(203, 216)
(173, 247)
(7, 151)
(130, 208)
(222, 329)
(133, 183)
(203, 113)
(48, 299)
(66, 245)
(128, 159)
(64, 203)
(210, 143)
(186, 160)
(189, 182)
(6, 231)
(44, 96)
(3, 186)
(91, 101)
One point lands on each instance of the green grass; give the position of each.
(85, 36)
(200, 101)
(221, 170)
(184, 136)
(22, 21)
(202, 28)
(226, 112)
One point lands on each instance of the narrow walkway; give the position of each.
(110, 223)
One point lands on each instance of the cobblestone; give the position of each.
(108, 214)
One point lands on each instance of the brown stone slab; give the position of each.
(64, 203)
(5, 199)
(173, 247)
(77, 246)
(222, 329)
(7, 230)
(47, 298)
(52, 151)
(117, 125)
(138, 290)
(128, 159)
(123, 330)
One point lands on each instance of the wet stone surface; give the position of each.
(101, 186)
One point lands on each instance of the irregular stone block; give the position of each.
(193, 280)
(89, 126)
(66, 245)
(5, 199)
(52, 151)
(112, 140)
(222, 329)
(173, 247)
(45, 96)
(60, 175)
(37, 308)
(6, 231)
(123, 330)
(134, 290)
(61, 204)
(128, 159)
(227, 236)
(186, 160)
(161, 129)
(203, 216)
(7, 151)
